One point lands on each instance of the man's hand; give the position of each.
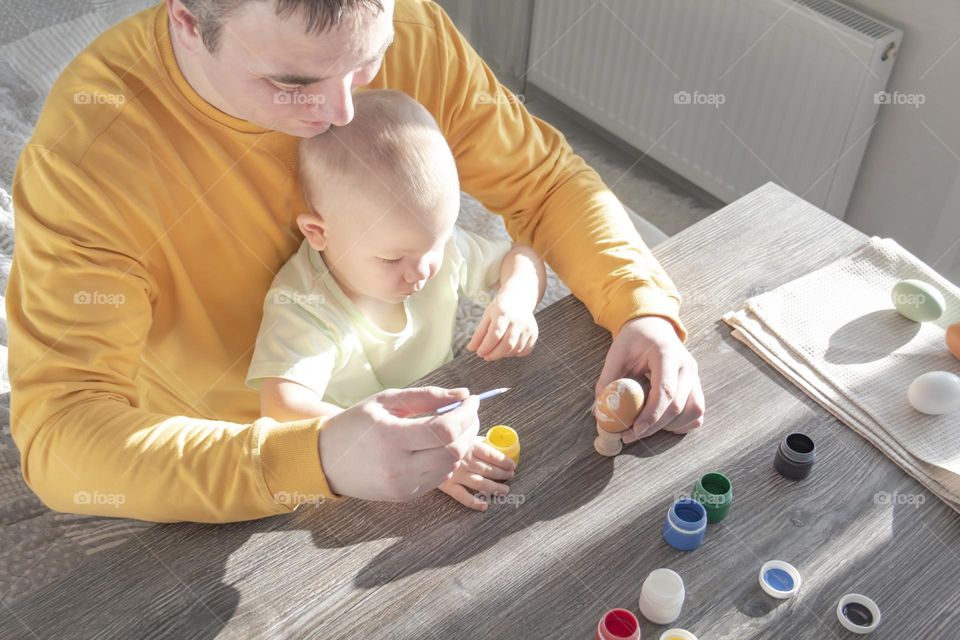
(650, 346)
(508, 328)
(479, 468)
(375, 450)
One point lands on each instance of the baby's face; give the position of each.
(387, 250)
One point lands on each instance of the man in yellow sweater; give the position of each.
(156, 201)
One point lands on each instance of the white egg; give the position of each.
(935, 393)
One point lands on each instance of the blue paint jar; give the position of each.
(686, 525)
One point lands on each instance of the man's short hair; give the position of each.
(320, 15)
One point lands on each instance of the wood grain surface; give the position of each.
(582, 531)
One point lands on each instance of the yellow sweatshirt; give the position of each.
(149, 226)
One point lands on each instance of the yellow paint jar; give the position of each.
(505, 439)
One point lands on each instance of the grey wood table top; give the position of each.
(583, 531)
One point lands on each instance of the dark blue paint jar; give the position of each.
(686, 525)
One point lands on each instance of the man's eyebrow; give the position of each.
(296, 79)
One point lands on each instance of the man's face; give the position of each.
(270, 72)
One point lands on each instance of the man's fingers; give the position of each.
(451, 429)
(403, 403)
(433, 467)
(663, 387)
(674, 409)
(612, 369)
(693, 413)
(417, 480)
(685, 411)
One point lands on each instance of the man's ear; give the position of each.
(184, 27)
(314, 229)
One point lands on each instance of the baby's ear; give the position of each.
(314, 229)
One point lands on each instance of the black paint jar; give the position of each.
(795, 456)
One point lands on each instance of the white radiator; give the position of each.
(730, 94)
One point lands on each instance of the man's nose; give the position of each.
(337, 106)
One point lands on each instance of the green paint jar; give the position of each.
(715, 493)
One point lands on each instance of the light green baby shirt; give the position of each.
(311, 332)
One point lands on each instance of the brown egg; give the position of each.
(619, 404)
(953, 339)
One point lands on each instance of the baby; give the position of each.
(369, 301)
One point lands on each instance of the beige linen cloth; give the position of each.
(835, 334)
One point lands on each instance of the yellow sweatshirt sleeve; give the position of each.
(79, 308)
(524, 170)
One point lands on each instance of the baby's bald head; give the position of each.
(392, 150)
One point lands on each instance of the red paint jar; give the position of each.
(618, 624)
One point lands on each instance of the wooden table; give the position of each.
(588, 530)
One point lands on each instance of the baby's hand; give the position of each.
(507, 329)
(477, 470)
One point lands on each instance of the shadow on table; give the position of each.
(872, 543)
(548, 488)
(851, 537)
(606, 571)
(851, 343)
(879, 528)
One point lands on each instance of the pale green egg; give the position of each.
(917, 300)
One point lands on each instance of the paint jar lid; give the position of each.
(858, 613)
(677, 634)
(780, 579)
